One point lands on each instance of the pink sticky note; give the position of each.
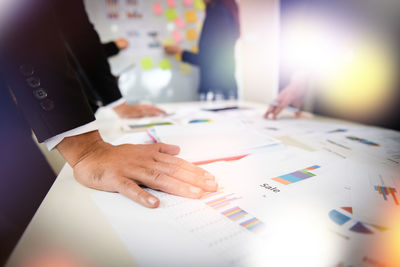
(177, 37)
(157, 8)
(171, 3)
(180, 23)
(188, 2)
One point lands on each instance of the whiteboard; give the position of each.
(146, 29)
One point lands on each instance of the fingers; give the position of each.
(164, 158)
(269, 111)
(131, 190)
(163, 182)
(278, 109)
(191, 178)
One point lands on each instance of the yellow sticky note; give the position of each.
(147, 63)
(191, 35)
(165, 64)
(168, 41)
(194, 49)
(199, 4)
(185, 68)
(190, 16)
(178, 57)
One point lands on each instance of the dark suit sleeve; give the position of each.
(85, 43)
(110, 49)
(34, 64)
(190, 57)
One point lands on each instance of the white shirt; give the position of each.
(89, 127)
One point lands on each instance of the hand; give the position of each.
(293, 94)
(121, 43)
(172, 49)
(123, 168)
(137, 111)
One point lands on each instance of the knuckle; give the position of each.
(156, 176)
(173, 170)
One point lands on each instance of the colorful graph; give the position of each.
(362, 141)
(222, 202)
(386, 191)
(296, 176)
(343, 216)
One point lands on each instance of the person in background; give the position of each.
(89, 59)
(114, 47)
(216, 56)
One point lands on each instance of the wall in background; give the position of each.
(256, 57)
(258, 49)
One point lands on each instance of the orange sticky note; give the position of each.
(191, 16)
(180, 23)
(191, 35)
(195, 49)
(177, 37)
(157, 8)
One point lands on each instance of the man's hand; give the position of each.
(121, 43)
(124, 168)
(293, 94)
(137, 111)
(173, 49)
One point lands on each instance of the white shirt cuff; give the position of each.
(116, 103)
(55, 140)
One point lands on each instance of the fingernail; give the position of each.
(195, 190)
(152, 200)
(211, 183)
(209, 175)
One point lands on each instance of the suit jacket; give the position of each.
(39, 90)
(216, 57)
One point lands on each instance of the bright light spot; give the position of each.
(156, 79)
(170, 26)
(127, 81)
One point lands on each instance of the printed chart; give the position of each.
(296, 176)
(344, 217)
(386, 191)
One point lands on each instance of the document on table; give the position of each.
(200, 142)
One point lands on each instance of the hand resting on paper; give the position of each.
(124, 168)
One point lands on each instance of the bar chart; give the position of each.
(296, 176)
(224, 203)
(386, 191)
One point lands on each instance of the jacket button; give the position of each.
(33, 82)
(47, 105)
(40, 93)
(26, 70)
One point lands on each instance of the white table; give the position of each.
(69, 218)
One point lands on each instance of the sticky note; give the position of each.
(191, 35)
(147, 63)
(190, 16)
(180, 23)
(177, 37)
(165, 64)
(185, 68)
(170, 14)
(188, 2)
(199, 5)
(157, 8)
(168, 41)
(178, 57)
(171, 3)
(194, 49)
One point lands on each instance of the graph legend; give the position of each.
(296, 176)
(386, 191)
